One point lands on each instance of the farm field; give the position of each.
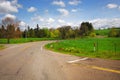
(107, 48)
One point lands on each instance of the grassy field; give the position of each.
(103, 32)
(23, 40)
(108, 48)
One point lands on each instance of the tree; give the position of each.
(112, 33)
(86, 28)
(2, 32)
(37, 31)
(10, 28)
(54, 33)
(18, 33)
(31, 33)
(64, 30)
(10, 32)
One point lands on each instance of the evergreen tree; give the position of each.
(86, 28)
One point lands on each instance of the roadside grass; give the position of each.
(2, 47)
(24, 40)
(107, 48)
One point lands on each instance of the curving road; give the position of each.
(30, 61)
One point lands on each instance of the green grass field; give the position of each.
(103, 32)
(23, 40)
(108, 48)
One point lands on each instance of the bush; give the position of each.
(71, 49)
(92, 34)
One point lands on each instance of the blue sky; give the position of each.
(56, 13)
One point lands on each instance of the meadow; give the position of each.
(107, 48)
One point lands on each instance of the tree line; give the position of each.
(10, 29)
(13, 31)
(63, 32)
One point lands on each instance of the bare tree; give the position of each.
(11, 25)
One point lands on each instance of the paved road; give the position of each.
(30, 61)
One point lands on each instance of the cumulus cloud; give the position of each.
(22, 24)
(111, 6)
(106, 23)
(50, 20)
(64, 12)
(74, 2)
(61, 21)
(59, 3)
(10, 16)
(9, 6)
(32, 9)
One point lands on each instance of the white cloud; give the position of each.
(59, 3)
(111, 6)
(32, 9)
(105, 23)
(61, 21)
(37, 18)
(70, 24)
(50, 20)
(74, 10)
(22, 24)
(10, 16)
(64, 12)
(74, 2)
(14, 2)
(9, 6)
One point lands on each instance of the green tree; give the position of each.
(113, 32)
(54, 33)
(86, 28)
(64, 32)
(37, 31)
(31, 33)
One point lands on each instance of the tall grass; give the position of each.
(2, 47)
(105, 47)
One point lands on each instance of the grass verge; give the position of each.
(24, 40)
(107, 48)
(2, 47)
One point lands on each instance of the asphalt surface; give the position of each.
(30, 61)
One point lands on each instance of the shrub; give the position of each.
(92, 34)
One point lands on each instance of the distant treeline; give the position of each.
(10, 29)
(64, 32)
